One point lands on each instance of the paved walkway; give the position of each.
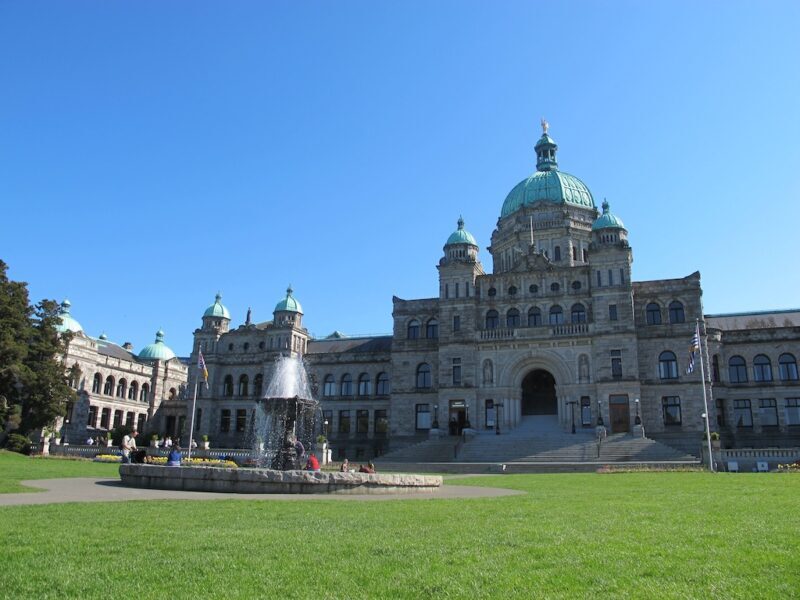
(86, 489)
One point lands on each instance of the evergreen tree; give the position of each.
(34, 386)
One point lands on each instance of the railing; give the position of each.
(571, 329)
(497, 334)
(540, 331)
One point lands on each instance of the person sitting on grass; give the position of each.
(370, 468)
(174, 457)
(312, 464)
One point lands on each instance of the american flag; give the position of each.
(201, 366)
(694, 348)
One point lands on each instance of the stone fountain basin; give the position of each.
(268, 481)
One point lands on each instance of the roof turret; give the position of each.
(217, 309)
(607, 220)
(461, 235)
(289, 303)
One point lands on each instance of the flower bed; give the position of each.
(192, 462)
(790, 467)
(108, 458)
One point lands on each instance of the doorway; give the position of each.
(539, 394)
(619, 413)
(458, 417)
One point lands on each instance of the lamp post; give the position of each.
(638, 420)
(600, 413)
(572, 404)
(499, 409)
(325, 428)
(435, 424)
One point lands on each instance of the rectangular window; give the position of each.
(241, 419)
(466, 289)
(793, 411)
(117, 418)
(610, 277)
(140, 423)
(616, 364)
(344, 421)
(768, 412)
(720, 404)
(599, 280)
(456, 371)
(612, 312)
(446, 290)
(362, 421)
(456, 290)
(456, 323)
(129, 419)
(742, 414)
(225, 421)
(104, 418)
(586, 411)
(423, 416)
(672, 410)
(92, 422)
(622, 275)
(381, 422)
(198, 418)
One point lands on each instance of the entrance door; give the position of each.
(620, 414)
(539, 394)
(458, 417)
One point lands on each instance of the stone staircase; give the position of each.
(538, 444)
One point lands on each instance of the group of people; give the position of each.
(369, 468)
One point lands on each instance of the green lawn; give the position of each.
(16, 467)
(641, 535)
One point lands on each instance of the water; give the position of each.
(287, 413)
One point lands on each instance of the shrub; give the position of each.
(18, 443)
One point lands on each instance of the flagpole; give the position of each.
(191, 421)
(705, 399)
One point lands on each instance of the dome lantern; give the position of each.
(546, 151)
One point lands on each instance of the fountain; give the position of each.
(285, 415)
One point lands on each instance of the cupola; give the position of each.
(67, 322)
(288, 311)
(158, 350)
(608, 227)
(461, 244)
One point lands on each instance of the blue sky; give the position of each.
(153, 153)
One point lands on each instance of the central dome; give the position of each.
(548, 184)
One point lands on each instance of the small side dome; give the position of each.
(607, 220)
(103, 337)
(461, 236)
(67, 322)
(289, 304)
(158, 350)
(217, 309)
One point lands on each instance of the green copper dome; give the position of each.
(461, 235)
(607, 220)
(548, 184)
(67, 322)
(158, 350)
(289, 304)
(217, 309)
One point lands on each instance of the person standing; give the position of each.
(129, 446)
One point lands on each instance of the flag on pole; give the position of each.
(694, 348)
(201, 366)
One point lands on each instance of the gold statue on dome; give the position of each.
(545, 126)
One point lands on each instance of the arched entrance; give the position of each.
(539, 393)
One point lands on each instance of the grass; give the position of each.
(631, 535)
(15, 468)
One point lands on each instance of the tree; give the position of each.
(33, 378)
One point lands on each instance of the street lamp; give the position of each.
(600, 413)
(572, 404)
(435, 424)
(325, 428)
(498, 410)
(638, 420)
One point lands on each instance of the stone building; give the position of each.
(558, 331)
(117, 387)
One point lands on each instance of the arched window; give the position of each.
(363, 385)
(133, 391)
(667, 365)
(144, 396)
(424, 375)
(676, 312)
(492, 319)
(737, 370)
(512, 290)
(653, 314)
(554, 287)
(556, 315)
(413, 329)
(534, 317)
(122, 387)
(557, 253)
(347, 385)
(432, 329)
(788, 367)
(328, 386)
(762, 368)
(533, 288)
(576, 285)
(243, 385)
(512, 318)
(108, 390)
(578, 313)
(227, 388)
(258, 385)
(382, 386)
(492, 292)
(97, 383)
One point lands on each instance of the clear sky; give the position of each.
(153, 153)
